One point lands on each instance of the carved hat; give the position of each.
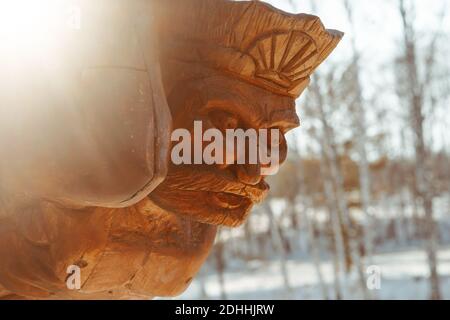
(250, 40)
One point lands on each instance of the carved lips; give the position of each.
(254, 193)
(208, 194)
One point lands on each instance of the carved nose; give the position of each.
(249, 173)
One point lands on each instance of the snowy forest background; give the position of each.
(366, 187)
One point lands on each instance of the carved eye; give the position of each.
(223, 120)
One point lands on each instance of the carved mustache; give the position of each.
(199, 178)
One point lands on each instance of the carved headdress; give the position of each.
(250, 40)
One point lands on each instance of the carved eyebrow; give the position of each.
(222, 106)
(284, 118)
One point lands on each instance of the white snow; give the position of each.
(403, 276)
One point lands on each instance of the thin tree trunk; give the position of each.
(416, 101)
(278, 242)
(201, 282)
(361, 142)
(339, 195)
(314, 242)
(220, 265)
(338, 245)
(314, 246)
(249, 239)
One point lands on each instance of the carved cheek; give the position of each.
(275, 160)
(283, 149)
(223, 120)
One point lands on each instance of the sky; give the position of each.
(378, 34)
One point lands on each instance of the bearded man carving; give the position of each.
(86, 177)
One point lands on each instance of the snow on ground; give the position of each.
(403, 276)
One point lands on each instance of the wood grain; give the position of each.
(91, 184)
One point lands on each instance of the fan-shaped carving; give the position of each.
(284, 58)
(251, 40)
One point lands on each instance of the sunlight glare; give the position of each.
(29, 29)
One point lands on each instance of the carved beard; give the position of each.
(207, 194)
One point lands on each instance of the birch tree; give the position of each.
(278, 242)
(415, 95)
(331, 159)
(360, 125)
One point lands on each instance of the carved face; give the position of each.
(222, 194)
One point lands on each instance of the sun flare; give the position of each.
(31, 29)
